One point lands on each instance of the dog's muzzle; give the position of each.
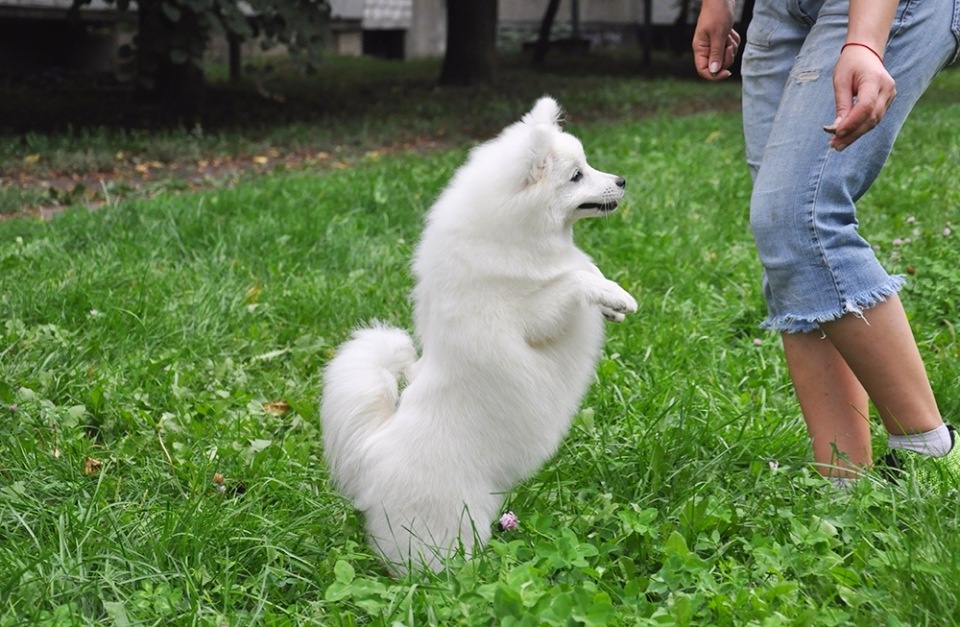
(607, 205)
(610, 205)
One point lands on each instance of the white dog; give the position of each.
(509, 315)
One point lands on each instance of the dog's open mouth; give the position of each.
(602, 207)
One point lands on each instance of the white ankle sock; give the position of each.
(936, 443)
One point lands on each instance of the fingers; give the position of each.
(715, 43)
(854, 122)
(864, 91)
(705, 59)
(730, 50)
(713, 59)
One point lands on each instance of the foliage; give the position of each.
(160, 364)
(179, 30)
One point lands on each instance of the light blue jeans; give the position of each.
(816, 266)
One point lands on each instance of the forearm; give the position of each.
(718, 5)
(718, 11)
(870, 22)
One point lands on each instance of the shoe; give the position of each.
(935, 473)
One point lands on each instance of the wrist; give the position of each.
(878, 53)
(719, 5)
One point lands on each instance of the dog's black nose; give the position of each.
(621, 182)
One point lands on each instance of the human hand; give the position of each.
(715, 43)
(863, 90)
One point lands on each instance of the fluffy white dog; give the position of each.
(509, 316)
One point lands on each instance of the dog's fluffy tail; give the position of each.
(361, 389)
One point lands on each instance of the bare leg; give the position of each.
(884, 355)
(834, 404)
(833, 376)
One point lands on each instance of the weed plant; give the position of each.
(160, 372)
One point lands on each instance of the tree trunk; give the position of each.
(546, 25)
(169, 59)
(233, 43)
(471, 43)
(647, 32)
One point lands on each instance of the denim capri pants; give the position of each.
(816, 266)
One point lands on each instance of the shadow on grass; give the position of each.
(271, 93)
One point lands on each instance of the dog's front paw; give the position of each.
(616, 303)
(611, 315)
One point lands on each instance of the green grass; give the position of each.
(92, 142)
(151, 335)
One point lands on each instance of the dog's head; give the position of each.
(533, 179)
(555, 168)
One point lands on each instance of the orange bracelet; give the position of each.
(855, 43)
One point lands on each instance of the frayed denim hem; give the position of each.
(794, 323)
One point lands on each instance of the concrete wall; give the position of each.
(427, 36)
(610, 11)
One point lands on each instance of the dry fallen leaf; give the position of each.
(277, 408)
(91, 466)
(252, 295)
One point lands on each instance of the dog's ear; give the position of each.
(538, 155)
(545, 111)
(544, 122)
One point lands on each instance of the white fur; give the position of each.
(509, 314)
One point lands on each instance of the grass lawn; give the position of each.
(161, 358)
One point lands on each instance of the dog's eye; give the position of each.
(577, 175)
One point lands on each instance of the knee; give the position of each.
(772, 222)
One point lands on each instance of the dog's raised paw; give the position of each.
(611, 315)
(616, 303)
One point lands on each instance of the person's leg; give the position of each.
(773, 40)
(834, 404)
(881, 350)
(834, 400)
(818, 271)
